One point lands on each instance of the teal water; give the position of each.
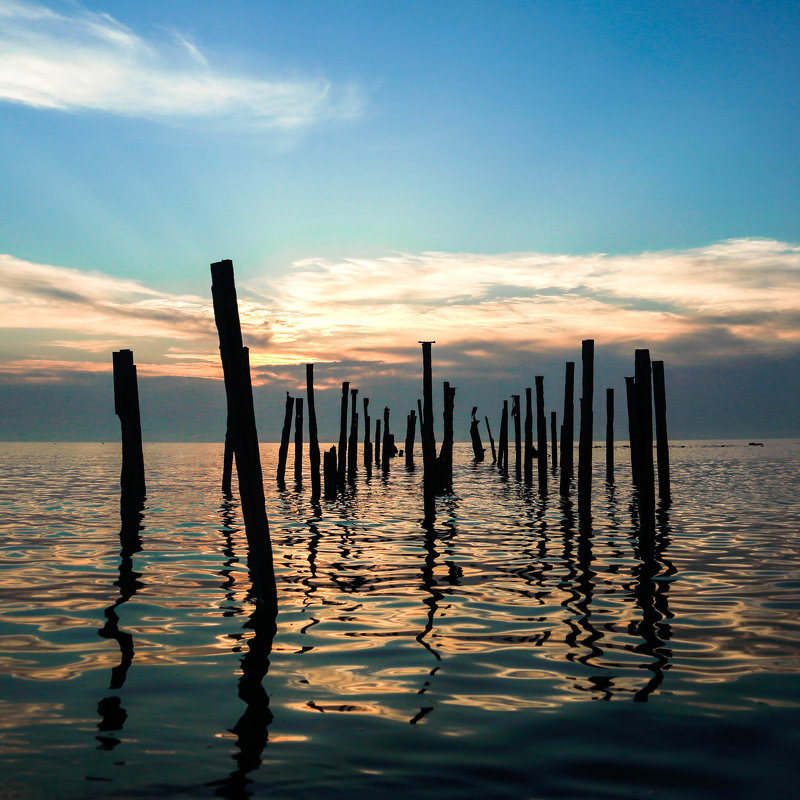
(508, 652)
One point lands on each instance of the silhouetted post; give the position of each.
(241, 414)
(313, 438)
(428, 440)
(227, 462)
(528, 438)
(411, 432)
(330, 477)
(502, 456)
(644, 424)
(609, 436)
(633, 432)
(554, 439)
(298, 442)
(126, 407)
(352, 450)
(283, 450)
(341, 464)
(445, 460)
(516, 414)
(386, 449)
(377, 442)
(367, 441)
(587, 414)
(662, 441)
(478, 449)
(567, 430)
(491, 439)
(541, 435)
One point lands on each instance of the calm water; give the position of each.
(509, 652)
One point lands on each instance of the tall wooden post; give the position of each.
(541, 434)
(283, 450)
(528, 465)
(567, 430)
(298, 442)
(554, 440)
(341, 464)
(516, 414)
(609, 436)
(478, 449)
(411, 432)
(377, 443)
(662, 440)
(367, 440)
(352, 449)
(502, 455)
(386, 447)
(633, 428)
(644, 424)
(126, 407)
(587, 420)
(313, 437)
(241, 414)
(428, 440)
(491, 440)
(445, 460)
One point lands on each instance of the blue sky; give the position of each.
(637, 161)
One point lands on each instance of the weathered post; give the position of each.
(377, 443)
(554, 439)
(386, 447)
(241, 414)
(411, 432)
(298, 442)
(330, 477)
(428, 440)
(478, 449)
(644, 423)
(541, 435)
(313, 437)
(126, 407)
(567, 430)
(609, 436)
(528, 466)
(515, 413)
(367, 441)
(227, 462)
(587, 420)
(502, 456)
(352, 449)
(283, 450)
(341, 464)
(491, 439)
(662, 441)
(445, 460)
(633, 428)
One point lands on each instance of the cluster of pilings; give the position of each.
(331, 472)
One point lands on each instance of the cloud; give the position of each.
(90, 61)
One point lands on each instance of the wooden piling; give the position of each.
(341, 464)
(386, 447)
(541, 435)
(445, 460)
(516, 414)
(367, 440)
(241, 414)
(283, 450)
(567, 430)
(491, 440)
(428, 440)
(352, 447)
(377, 443)
(662, 440)
(644, 424)
(478, 450)
(411, 432)
(313, 437)
(502, 455)
(298, 442)
(528, 456)
(554, 440)
(126, 407)
(227, 462)
(609, 436)
(633, 430)
(329, 470)
(587, 424)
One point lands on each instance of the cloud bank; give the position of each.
(734, 299)
(90, 61)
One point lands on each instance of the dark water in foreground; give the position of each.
(508, 653)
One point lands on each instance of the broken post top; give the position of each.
(226, 308)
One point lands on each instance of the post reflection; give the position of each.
(110, 709)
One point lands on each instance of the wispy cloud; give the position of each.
(90, 61)
(732, 299)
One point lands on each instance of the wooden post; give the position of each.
(633, 428)
(352, 450)
(298, 442)
(241, 413)
(528, 438)
(428, 439)
(411, 432)
(662, 440)
(644, 424)
(609, 436)
(478, 450)
(330, 477)
(313, 438)
(491, 440)
(554, 440)
(377, 443)
(541, 435)
(567, 430)
(283, 450)
(227, 462)
(386, 447)
(516, 414)
(502, 455)
(367, 441)
(126, 407)
(445, 460)
(587, 424)
(341, 464)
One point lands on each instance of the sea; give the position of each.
(513, 649)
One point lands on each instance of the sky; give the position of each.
(505, 178)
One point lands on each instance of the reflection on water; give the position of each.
(451, 648)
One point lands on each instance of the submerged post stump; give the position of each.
(283, 450)
(567, 430)
(541, 435)
(126, 407)
(662, 440)
(587, 422)
(313, 437)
